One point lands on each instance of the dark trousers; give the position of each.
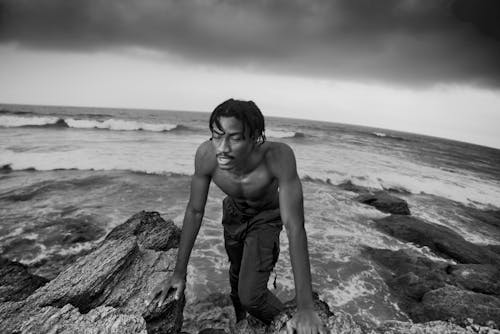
(252, 245)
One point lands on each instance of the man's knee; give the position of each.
(252, 299)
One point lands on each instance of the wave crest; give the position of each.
(109, 124)
(284, 134)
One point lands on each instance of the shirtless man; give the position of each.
(263, 193)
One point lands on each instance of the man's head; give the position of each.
(237, 127)
(246, 112)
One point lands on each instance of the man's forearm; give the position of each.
(299, 256)
(190, 227)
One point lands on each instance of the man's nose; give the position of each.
(224, 146)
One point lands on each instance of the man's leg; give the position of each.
(260, 253)
(234, 251)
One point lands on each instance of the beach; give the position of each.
(70, 175)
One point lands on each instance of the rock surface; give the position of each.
(385, 202)
(105, 290)
(16, 283)
(442, 240)
(428, 290)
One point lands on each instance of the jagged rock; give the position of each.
(431, 327)
(491, 217)
(349, 186)
(68, 320)
(336, 322)
(107, 287)
(452, 302)
(16, 283)
(440, 239)
(385, 202)
(419, 283)
(481, 278)
(408, 274)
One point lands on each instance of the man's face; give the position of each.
(232, 146)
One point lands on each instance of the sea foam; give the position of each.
(108, 124)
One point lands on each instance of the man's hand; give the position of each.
(305, 322)
(163, 288)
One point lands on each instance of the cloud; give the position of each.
(411, 42)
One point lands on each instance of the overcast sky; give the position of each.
(425, 66)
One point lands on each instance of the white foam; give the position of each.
(119, 125)
(17, 121)
(279, 134)
(109, 124)
(356, 287)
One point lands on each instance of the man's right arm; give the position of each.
(193, 217)
(195, 209)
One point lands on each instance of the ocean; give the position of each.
(71, 174)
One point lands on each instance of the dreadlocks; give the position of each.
(246, 112)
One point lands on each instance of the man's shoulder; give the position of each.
(280, 159)
(276, 151)
(205, 161)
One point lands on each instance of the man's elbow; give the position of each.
(195, 213)
(294, 229)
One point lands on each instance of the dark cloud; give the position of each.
(415, 42)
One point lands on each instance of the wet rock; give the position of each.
(481, 278)
(349, 186)
(16, 283)
(452, 302)
(385, 202)
(442, 240)
(105, 290)
(491, 217)
(428, 290)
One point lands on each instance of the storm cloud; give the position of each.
(410, 42)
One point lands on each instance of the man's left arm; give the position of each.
(283, 166)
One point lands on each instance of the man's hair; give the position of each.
(246, 112)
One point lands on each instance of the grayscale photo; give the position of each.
(235, 167)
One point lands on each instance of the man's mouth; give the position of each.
(224, 159)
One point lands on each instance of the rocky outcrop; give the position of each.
(380, 199)
(16, 283)
(106, 290)
(442, 240)
(428, 290)
(385, 202)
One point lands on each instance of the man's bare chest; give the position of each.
(253, 186)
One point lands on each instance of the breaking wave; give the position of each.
(109, 124)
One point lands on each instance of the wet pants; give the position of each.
(252, 245)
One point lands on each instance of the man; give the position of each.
(264, 192)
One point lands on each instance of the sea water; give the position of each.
(72, 174)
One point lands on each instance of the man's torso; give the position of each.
(254, 190)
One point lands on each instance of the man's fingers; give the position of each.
(289, 327)
(161, 299)
(177, 295)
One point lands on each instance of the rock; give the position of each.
(5, 169)
(491, 217)
(431, 327)
(16, 283)
(442, 240)
(105, 290)
(349, 186)
(427, 290)
(408, 274)
(385, 202)
(481, 278)
(68, 320)
(452, 302)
